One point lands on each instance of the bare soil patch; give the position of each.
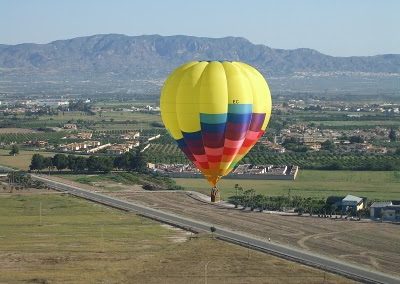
(366, 243)
(370, 244)
(82, 242)
(17, 130)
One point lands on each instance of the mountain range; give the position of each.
(123, 59)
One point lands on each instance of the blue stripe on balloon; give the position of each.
(240, 108)
(191, 136)
(181, 143)
(206, 127)
(239, 117)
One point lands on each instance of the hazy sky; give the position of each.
(334, 27)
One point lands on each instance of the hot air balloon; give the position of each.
(216, 111)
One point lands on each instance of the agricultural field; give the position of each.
(20, 161)
(170, 153)
(16, 130)
(165, 153)
(358, 123)
(80, 242)
(111, 118)
(310, 183)
(20, 137)
(107, 119)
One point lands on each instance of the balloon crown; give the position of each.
(215, 61)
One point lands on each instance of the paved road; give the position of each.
(305, 257)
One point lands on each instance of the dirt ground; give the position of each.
(370, 244)
(82, 242)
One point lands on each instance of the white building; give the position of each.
(385, 211)
(351, 201)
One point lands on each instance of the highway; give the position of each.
(304, 257)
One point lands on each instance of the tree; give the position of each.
(123, 161)
(392, 135)
(328, 145)
(48, 163)
(356, 139)
(248, 198)
(333, 208)
(259, 202)
(60, 161)
(93, 163)
(138, 162)
(335, 165)
(238, 189)
(105, 164)
(71, 162)
(213, 229)
(235, 200)
(37, 162)
(80, 164)
(14, 150)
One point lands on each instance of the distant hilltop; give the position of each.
(149, 58)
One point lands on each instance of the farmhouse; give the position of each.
(391, 213)
(73, 147)
(347, 203)
(118, 149)
(351, 202)
(377, 208)
(386, 211)
(71, 126)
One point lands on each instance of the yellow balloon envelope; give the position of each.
(216, 111)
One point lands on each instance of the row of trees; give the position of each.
(301, 205)
(24, 180)
(249, 199)
(322, 160)
(127, 161)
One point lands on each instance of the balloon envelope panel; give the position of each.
(216, 111)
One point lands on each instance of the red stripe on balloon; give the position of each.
(214, 159)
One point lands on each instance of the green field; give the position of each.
(138, 118)
(370, 184)
(107, 119)
(20, 161)
(382, 185)
(76, 241)
(358, 123)
(51, 137)
(259, 155)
